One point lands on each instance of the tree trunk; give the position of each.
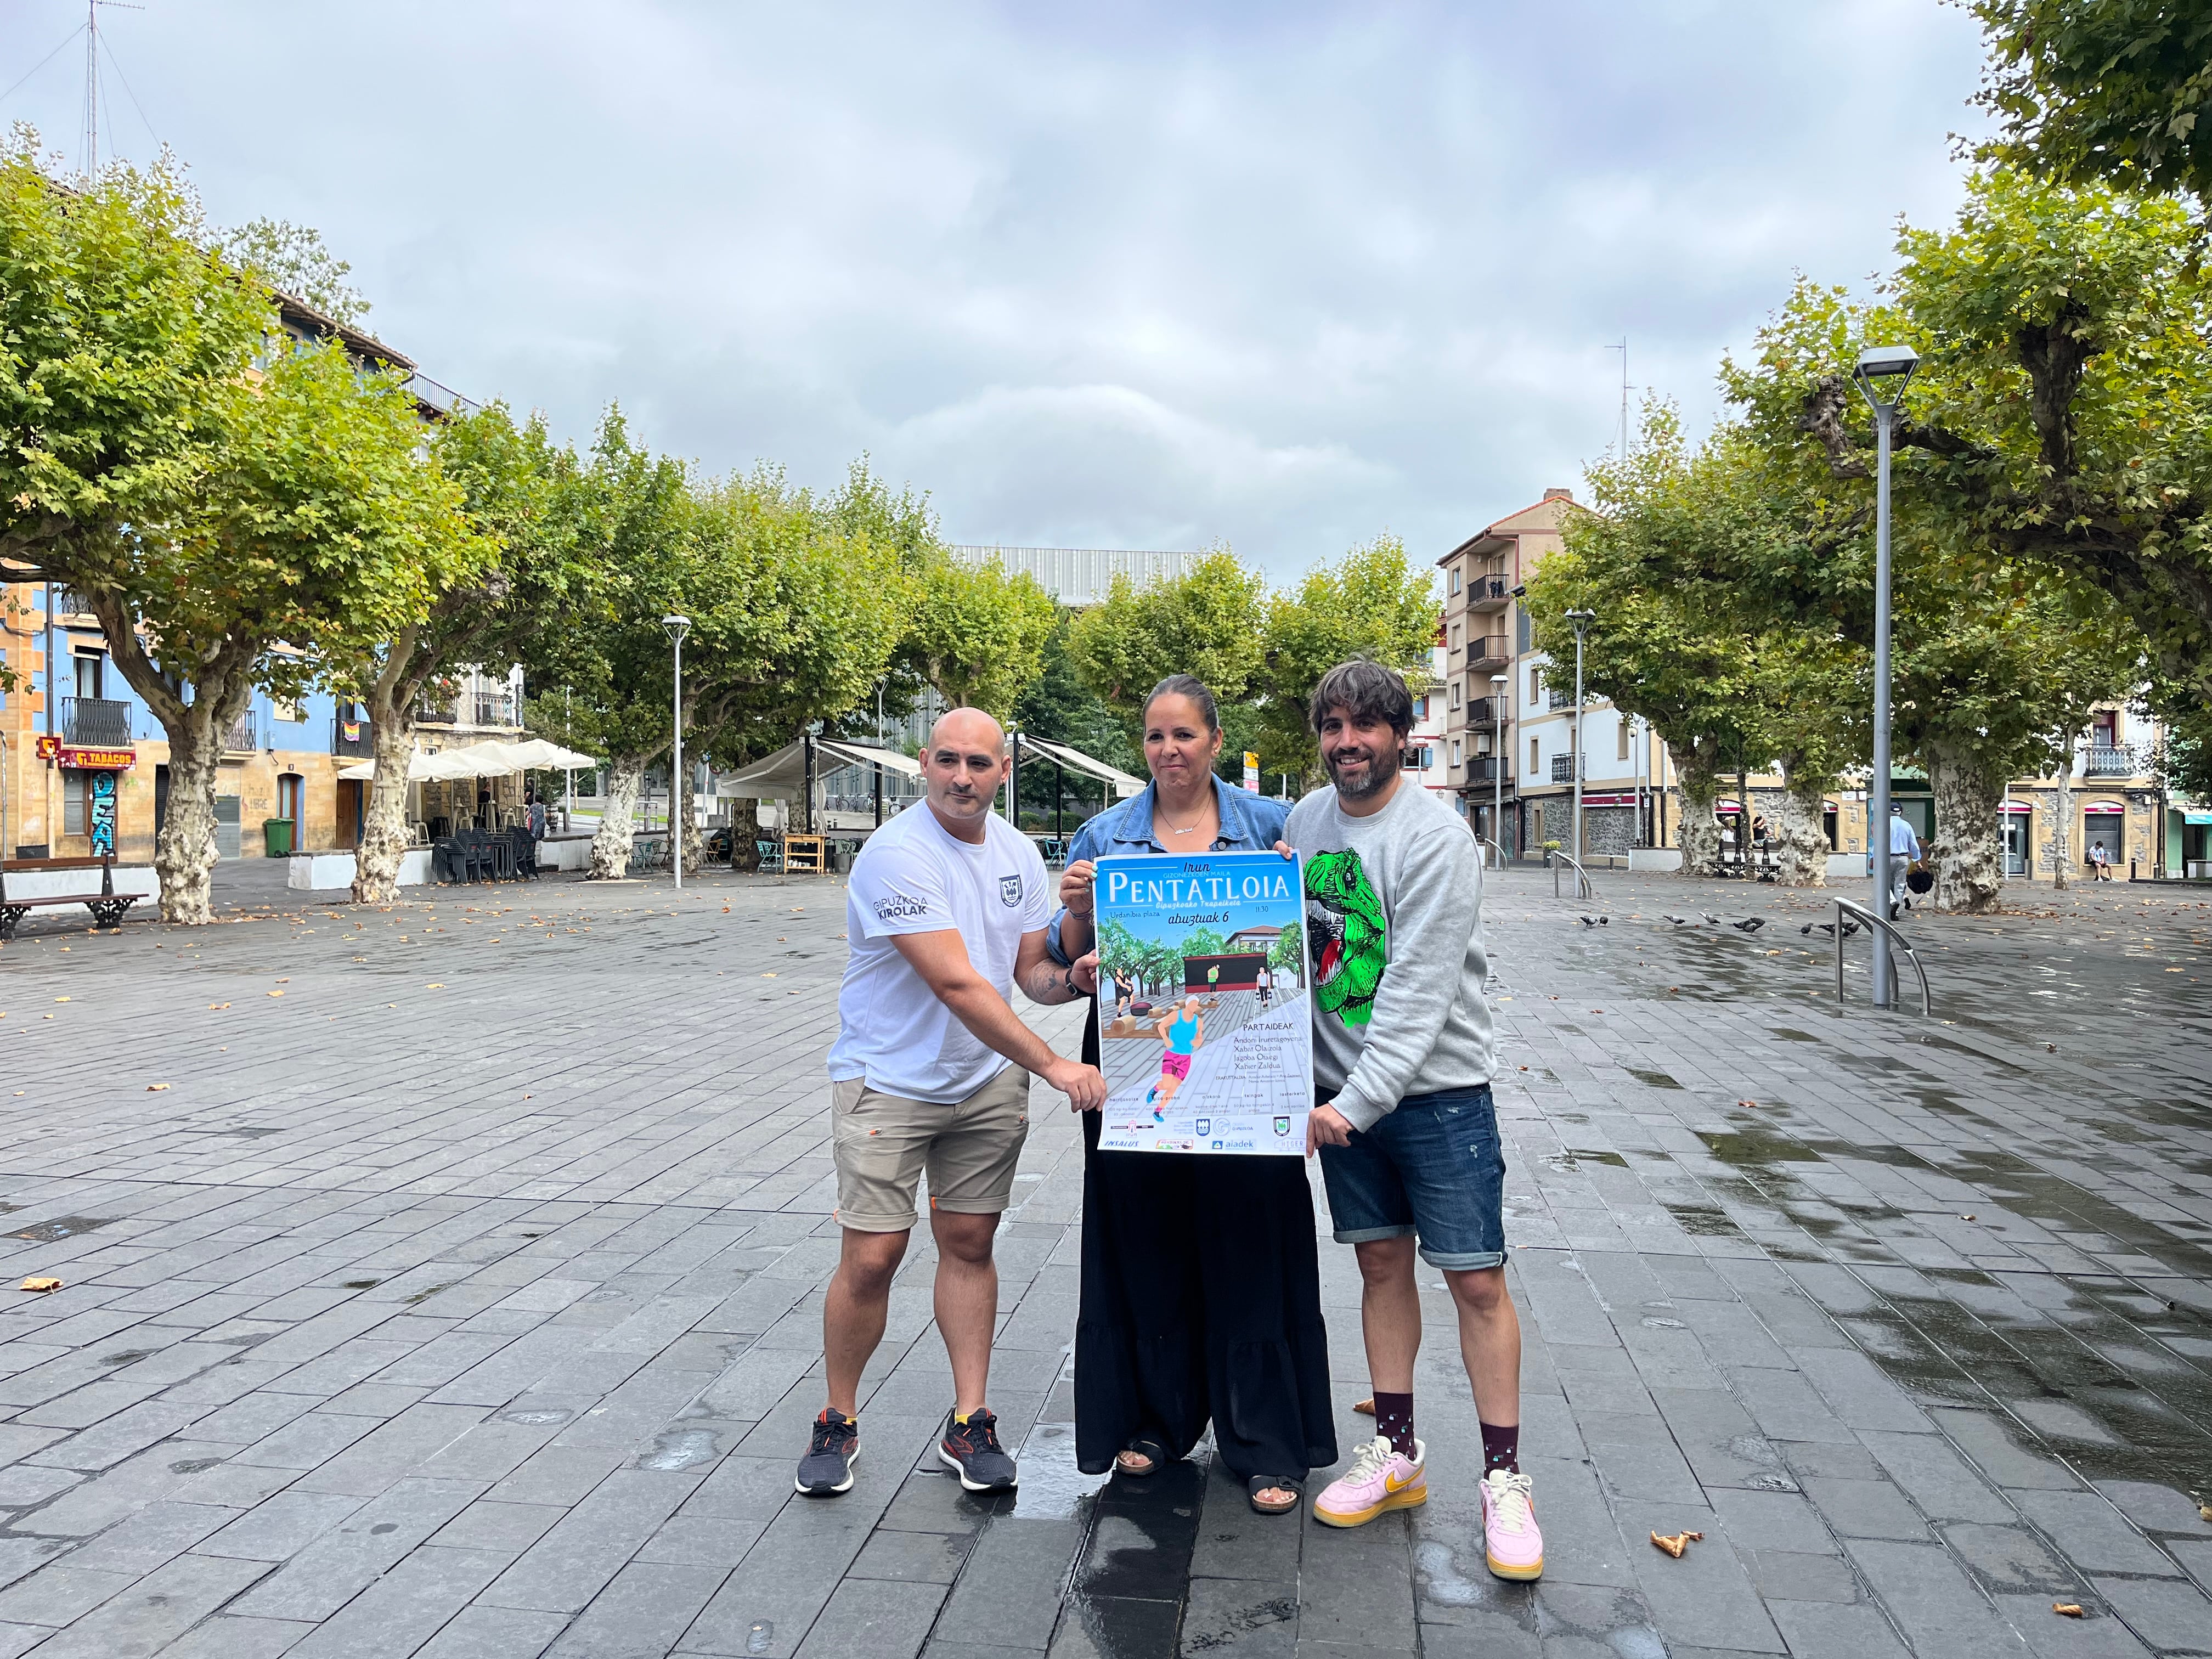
(1801, 841)
(184, 851)
(1968, 850)
(2062, 821)
(1698, 779)
(744, 835)
(617, 819)
(683, 824)
(384, 828)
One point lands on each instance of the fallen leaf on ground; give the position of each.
(40, 1285)
(155, 1088)
(218, 1005)
(2067, 1609)
(276, 993)
(435, 985)
(1677, 1543)
(1365, 1407)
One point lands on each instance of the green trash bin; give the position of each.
(277, 832)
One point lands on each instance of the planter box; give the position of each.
(326, 872)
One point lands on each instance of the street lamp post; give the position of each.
(1498, 684)
(1882, 374)
(678, 626)
(1581, 620)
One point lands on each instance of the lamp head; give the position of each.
(1581, 620)
(1883, 372)
(678, 626)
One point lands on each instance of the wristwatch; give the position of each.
(1074, 991)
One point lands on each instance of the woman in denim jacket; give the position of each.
(1201, 1283)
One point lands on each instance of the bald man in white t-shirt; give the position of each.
(946, 913)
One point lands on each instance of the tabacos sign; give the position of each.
(51, 748)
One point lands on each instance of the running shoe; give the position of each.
(971, 1450)
(1511, 1539)
(1381, 1479)
(834, 1448)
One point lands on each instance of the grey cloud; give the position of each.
(1283, 276)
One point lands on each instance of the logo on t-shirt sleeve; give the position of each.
(1010, 890)
(898, 906)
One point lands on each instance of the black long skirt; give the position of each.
(1201, 1299)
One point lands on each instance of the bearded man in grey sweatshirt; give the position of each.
(1404, 1051)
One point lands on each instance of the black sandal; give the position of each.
(1145, 1446)
(1260, 1483)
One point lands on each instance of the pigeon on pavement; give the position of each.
(1749, 924)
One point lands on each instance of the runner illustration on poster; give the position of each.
(1204, 1032)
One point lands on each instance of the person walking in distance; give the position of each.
(946, 911)
(1404, 1051)
(1904, 853)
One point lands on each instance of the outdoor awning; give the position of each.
(2018, 806)
(1076, 761)
(426, 767)
(537, 755)
(2192, 814)
(782, 775)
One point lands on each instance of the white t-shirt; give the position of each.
(914, 877)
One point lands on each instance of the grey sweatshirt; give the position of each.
(1393, 931)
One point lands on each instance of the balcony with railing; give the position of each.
(243, 735)
(1488, 769)
(2109, 760)
(1563, 769)
(1558, 697)
(478, 705)
(351, 738)
(1488, 592)
(1488, 651)
(1489, 711)
(96, 723)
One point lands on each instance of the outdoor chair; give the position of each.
(525, 853)
(771, 856)
(418, 834)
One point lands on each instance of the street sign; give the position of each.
(1251, 772)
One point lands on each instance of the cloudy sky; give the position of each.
(1139, 275)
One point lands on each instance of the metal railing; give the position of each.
(1493, 855)
(244, 735)
(1558, 697)
(1485, 768)
(96, 722)
(441, 399)
(356, 739)
(1489, 651)
(1486, 590)
(1489, 711)
(1845, 908)
(1563, 769)
(2115, 760)
(1585, 887)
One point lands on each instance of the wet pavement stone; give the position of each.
(458, 1295)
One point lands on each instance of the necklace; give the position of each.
(1181, 830)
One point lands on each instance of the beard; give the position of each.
(1379, 768)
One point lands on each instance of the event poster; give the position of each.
(1204, 1028)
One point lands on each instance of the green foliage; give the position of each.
(119, 332)
(1261, 654)
(1207, 623)
(2116, 91)
(1371, 603)
(294, 261)
(1288, 951)
(975, 634)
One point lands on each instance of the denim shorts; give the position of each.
(1433, 1168)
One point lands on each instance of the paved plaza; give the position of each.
(447, 1281)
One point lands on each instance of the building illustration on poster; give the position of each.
(1204, 1032)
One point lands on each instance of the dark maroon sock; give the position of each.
(1394, 1421)
(1501, 1448)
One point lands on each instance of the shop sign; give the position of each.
(48, 746)
(99, 760)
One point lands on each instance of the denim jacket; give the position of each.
(1250, 823)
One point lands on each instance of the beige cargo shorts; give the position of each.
(884, 1142)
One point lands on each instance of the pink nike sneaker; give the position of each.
(1511, 1539)
(1381, 1479)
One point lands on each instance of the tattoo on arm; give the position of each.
(1046, 983)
